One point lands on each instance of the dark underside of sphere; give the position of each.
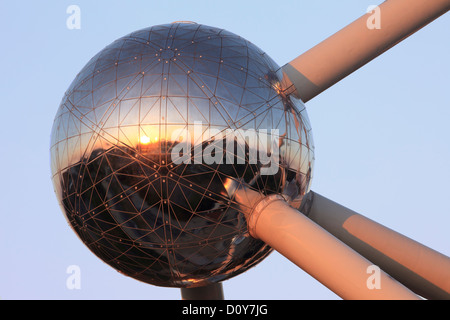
(161, 222)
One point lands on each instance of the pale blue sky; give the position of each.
(381, 135)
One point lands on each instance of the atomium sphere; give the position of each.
(149, 134)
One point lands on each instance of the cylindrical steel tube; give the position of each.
(423, 270)
(314, 250)
(352, 47)
(213, 291)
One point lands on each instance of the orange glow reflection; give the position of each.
(146, 140)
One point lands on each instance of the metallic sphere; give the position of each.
(150, 133)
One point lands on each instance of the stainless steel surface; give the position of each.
(352, 47)
(212, 291)
(313, 249)
(112, 163)
(421, 269)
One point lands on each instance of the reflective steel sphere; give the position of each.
(179, 91)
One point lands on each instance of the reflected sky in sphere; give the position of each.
(158, 220)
